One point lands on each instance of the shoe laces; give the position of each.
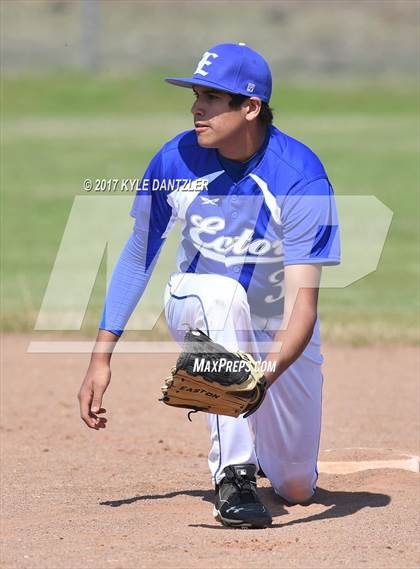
(243, 484)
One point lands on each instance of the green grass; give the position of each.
(61, 128)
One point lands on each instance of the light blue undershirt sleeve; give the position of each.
(129, 280)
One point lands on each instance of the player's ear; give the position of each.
(253, 106)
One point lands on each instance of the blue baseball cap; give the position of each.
(231, 67)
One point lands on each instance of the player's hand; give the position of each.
(91, 393)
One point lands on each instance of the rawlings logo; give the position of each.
(242, 248)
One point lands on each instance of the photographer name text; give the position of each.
(127, 185)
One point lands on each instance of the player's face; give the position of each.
(216, 123)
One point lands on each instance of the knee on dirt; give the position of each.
(297, 490)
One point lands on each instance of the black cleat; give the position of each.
(237, 503)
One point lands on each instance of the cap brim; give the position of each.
(190, 81)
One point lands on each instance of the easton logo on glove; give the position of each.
(198, 390)
(209, 378)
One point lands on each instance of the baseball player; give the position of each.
(258, 223)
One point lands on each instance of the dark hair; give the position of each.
(266, 113)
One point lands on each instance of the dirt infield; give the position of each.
(139, 493)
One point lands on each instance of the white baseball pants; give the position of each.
(282, 437)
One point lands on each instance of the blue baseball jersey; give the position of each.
(281, 212)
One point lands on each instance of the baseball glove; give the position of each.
(209, 378)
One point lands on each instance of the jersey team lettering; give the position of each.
(240, 246)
